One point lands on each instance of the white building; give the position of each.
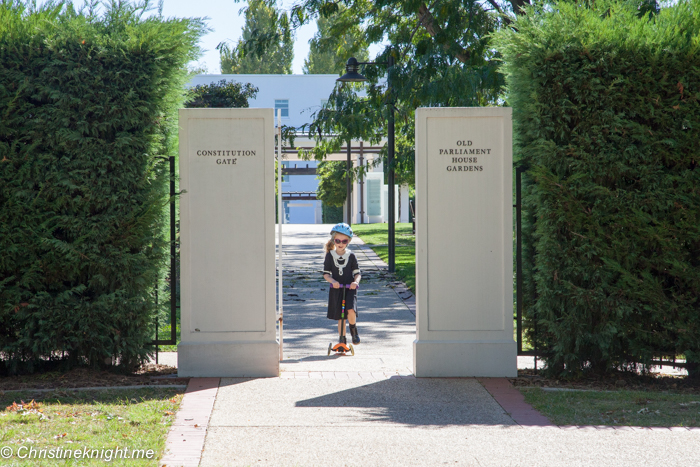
(298, 97)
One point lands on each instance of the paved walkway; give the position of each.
(369, 409)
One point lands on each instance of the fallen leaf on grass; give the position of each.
(168, 412)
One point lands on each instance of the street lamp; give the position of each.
(353, 76)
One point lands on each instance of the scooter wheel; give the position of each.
(352, 350)
(330, 347)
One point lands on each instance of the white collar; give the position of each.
(344, 256)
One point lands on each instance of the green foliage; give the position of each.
(332, 214)
(332, 183)
(267, 45)
(442, 58)
(606, 114)
(332, 46)
(222, 94)
(88, 108)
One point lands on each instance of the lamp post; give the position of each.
(353, 76)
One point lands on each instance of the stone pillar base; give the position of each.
(228, 359)
(465, 359)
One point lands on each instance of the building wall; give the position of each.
(305, 93)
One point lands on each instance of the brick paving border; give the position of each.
(185, 442)
(513, 402)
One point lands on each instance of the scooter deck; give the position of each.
(341, 349)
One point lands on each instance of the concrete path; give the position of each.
(386, 326)
(368, 410)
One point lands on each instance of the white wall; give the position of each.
(304, 92)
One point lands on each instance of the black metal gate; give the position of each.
(519, 270)
(173, 269)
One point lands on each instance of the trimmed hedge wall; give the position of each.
(87, 105)
(606, 118)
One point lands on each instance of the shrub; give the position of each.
(606, 114)
(221, 94)
(88, 112)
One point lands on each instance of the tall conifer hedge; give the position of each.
(87, 114)
(607, 118)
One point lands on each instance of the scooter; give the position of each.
(341, 348)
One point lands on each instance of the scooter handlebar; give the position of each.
(344, 286)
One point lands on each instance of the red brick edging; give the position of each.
(513, 402)
(185, 442)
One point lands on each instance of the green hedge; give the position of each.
(606, 118)
(87, 105)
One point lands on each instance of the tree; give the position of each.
(330, 48)
(221, 94)
(331, 186)
(267, 44)
(442, 58)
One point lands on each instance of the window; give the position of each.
(282, 104)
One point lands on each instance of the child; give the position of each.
(340, 267)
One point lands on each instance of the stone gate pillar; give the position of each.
(464, 243)
(227, 243)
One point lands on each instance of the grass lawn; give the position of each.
(131, 419)
(622, 407)
(376, 237)
(164, 333)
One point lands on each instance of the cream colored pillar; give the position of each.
(464, 243)
(227, 236)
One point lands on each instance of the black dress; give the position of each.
(343, 269)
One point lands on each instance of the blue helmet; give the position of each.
(342, 228)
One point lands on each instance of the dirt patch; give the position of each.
(611, 382)
(149, 374)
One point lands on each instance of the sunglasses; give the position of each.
(339, 241)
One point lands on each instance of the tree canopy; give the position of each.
(330, 48)
(331, 186)
(266, 45)
(222, 94)
(442, 58)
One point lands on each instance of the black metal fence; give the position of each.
(173, 269)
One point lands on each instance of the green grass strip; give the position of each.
(103, 420)
(376, 237)
(616, 408)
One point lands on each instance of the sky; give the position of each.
(222, 17)
(227, 25)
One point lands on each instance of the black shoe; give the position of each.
(343, 340)
(355, 335)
